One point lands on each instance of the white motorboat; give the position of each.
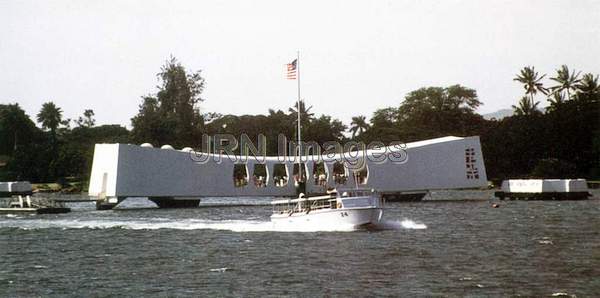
(347, 209)
(350, 209)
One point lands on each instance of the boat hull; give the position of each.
(343, 218)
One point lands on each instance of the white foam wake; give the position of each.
(186, 224)
(194, 224)
(404, 224)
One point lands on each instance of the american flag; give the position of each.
(291, 70)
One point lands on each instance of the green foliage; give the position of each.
(526, 107)
(530, 142)
(384, 126)
(436, 111)
(171, 116)
(552, 168)
(556, 101)
(77, 148)
(305, 113)
(36, 155)
(588, 89)
(512, 146)
(33, 160)
(358, 125)
(87, 120)
(532, 82)
(16, 129)
(567, 81)
(50, 116)
(319, 129)
(324, 129)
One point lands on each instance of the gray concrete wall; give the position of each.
(124, 170)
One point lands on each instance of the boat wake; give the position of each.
(155, 224)
(193, 224)
(404, 224)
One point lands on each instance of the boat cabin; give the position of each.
(350, 198)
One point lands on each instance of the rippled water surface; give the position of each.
(437, 248)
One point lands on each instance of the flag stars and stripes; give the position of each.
(291, 73)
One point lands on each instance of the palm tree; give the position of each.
(50, 117)
(526, 107)
(305, 113)
(588, 87)
(556, 101)
(359, 124)
(532, 84)
(566, 81)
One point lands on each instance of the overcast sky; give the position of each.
(356, 56)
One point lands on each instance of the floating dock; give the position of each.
(21, 201)
(544, 189)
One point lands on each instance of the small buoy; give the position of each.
(187, 149)
(168, 147)
(147, 145)
(495, 205)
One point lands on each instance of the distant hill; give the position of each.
(503, 113)
(499, 114)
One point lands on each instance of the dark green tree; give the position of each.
(532, 83)
(526, 107)
(50, 116)
(305, 113)
(436, 111)
(324, 129)
(358, 125)
(567, 81)
(26, 149)
(556, 99)
(87, 120)
(16, 128)
(77, 148)
(172, 116)
(384, 126)
(588, 88)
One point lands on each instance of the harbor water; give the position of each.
(454, 245)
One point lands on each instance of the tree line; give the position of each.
(561, 141)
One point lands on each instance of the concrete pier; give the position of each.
(108, 203)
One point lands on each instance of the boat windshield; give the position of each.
(357, 193)
(304, 204)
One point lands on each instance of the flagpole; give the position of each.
(298, 110)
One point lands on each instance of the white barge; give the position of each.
(544, 189)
